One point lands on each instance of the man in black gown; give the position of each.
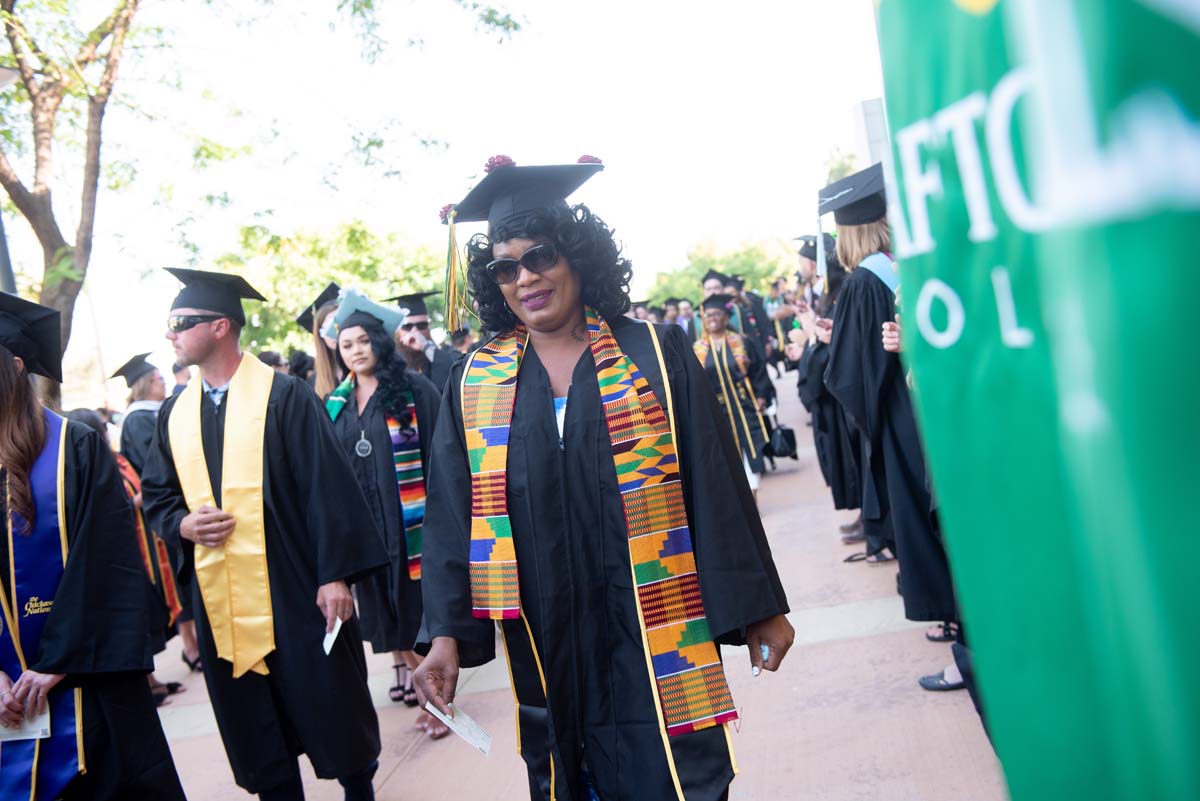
(418, 349)
(318, 537)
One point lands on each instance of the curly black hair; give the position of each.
(582, 238)
(395, 385)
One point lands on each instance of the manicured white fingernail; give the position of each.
(754, 671)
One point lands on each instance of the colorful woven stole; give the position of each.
(410, 475)
(155, 557)
(39, 770)
(688, 675)
(736, 344)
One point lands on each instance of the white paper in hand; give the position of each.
(466, 728)
(36, 729)
(331, 636)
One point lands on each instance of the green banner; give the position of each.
(1045, 190)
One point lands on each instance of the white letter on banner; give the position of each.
(958, 119)
(919, 184)
(1011, 332)
(956, 318)
(1001, 105)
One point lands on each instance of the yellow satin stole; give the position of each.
(233, 576)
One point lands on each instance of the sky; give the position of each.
(714, 121)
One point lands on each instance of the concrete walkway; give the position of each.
(844, 720)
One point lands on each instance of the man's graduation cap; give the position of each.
(414, 302)
(735, 281)
(857, 199)
(134, 369)
(32, 331)
(711, 274)
(808, 245)
(220, 293)
(307, 318)
(357, 309)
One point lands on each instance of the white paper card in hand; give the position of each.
(36, 729)
(462, 725)
(331, 636)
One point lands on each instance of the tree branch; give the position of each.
(14, 31)
(91, 44)
(123, 19)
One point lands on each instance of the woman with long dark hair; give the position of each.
(384, 415)
(74, 644)
(585, 492)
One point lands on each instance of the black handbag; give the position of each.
(783, 442)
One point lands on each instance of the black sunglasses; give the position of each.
(422, 326)
(178, 323)
(537, 259)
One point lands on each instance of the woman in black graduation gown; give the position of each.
(378, 394)
(543, 536)
(730, 359)
(76, 643)
(869, 383)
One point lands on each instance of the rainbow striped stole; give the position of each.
(410, 474)
(689, 678)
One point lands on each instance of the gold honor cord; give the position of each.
(723, 368)
(233, 577)
(724, 394)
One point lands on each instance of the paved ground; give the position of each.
(843, 721)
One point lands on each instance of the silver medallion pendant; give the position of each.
(363, 447)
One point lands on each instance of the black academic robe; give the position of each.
(389, 602)
(438, 371)
(569, 530)
(137, 433)
(318, 530)
(749, 435)
(754, 326)
(836, 441)
(869, 383)
(97, 632)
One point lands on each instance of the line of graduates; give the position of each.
(864, 427)
(573, 480)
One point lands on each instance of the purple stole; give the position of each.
(31, 770)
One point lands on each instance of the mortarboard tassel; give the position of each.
(456, 284)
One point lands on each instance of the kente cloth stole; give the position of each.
(410, 474)
(736, 344)
(233, 576)
(688, 676)
(155, 557)
(39, 770)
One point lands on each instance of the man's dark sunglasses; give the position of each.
(178, 323)
(537, 259)
(421, 326)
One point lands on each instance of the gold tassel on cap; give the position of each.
(456, 281)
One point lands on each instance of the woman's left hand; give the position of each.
(777, 634)
(33, 689)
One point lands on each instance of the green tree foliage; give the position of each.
(838, 165)
(292, 269)
(759, 263)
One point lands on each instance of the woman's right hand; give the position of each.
(11, 710)
(437, 677)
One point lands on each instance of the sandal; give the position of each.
(949, 632)
(936, 683)
(410, 693)
(194, 665)
(399, 692)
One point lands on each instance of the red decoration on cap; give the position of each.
(585, 159)
(495, 162)
(445, 212)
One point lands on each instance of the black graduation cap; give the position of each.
(509, 194)
(220, 293)
(857, 199)
(808, 246)
(711, 274)
(671, 301)
(717, 301)
(307, 318)
(735, 281)
(414, 302)
(134, 369)
(33, 332)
